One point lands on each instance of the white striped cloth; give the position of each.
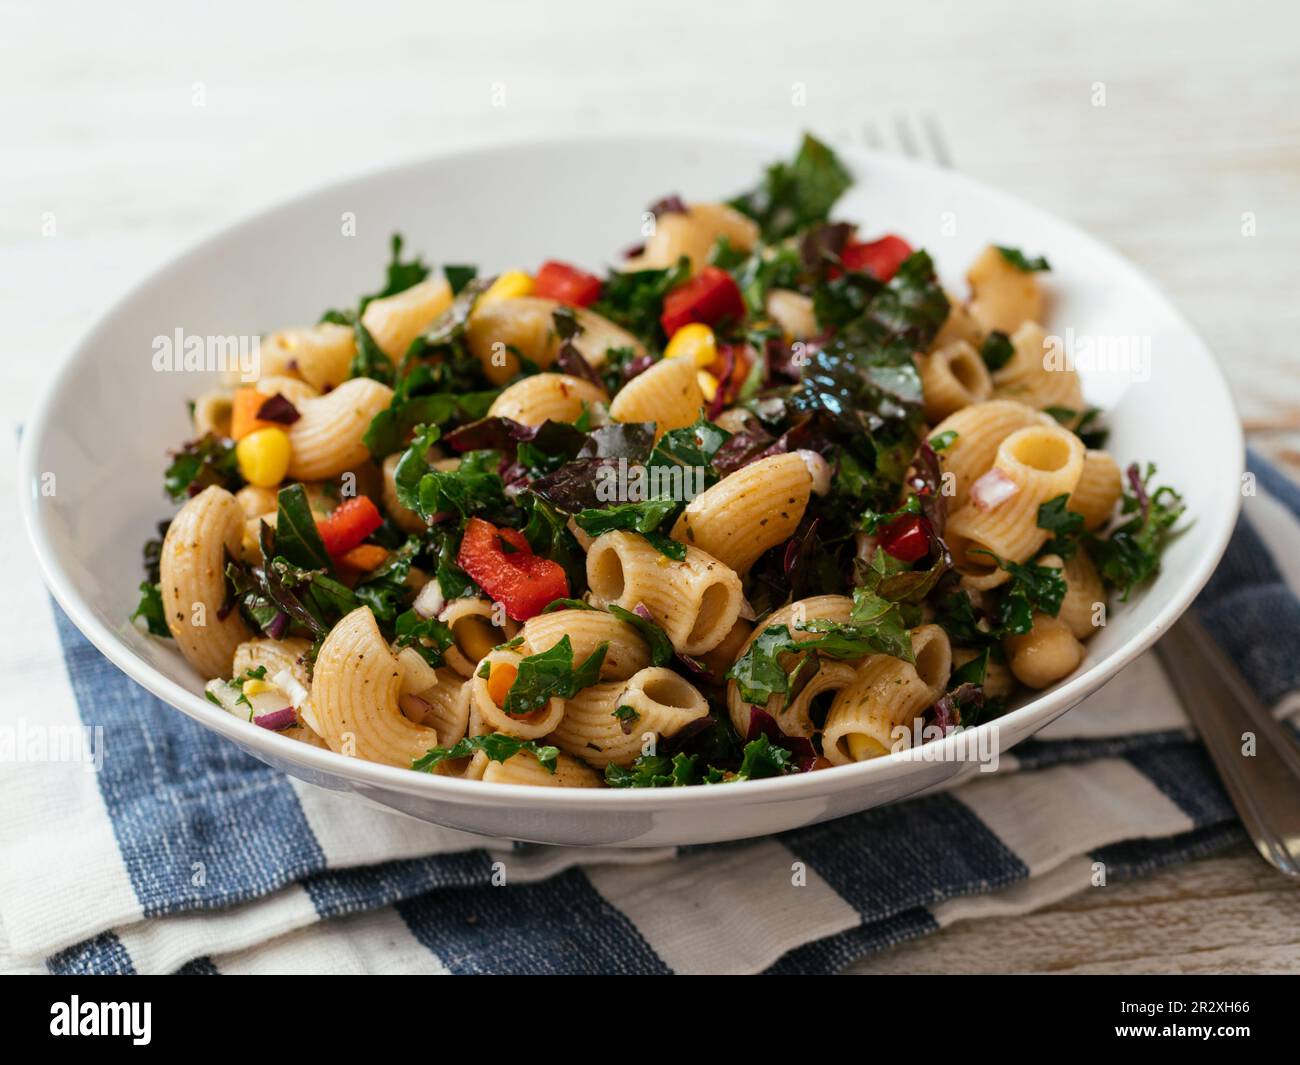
(182, 854)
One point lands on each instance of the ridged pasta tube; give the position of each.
(557, 396)
(1003, 297)
(980, 428)
(959, 325)
(1099, 488)
(793, 312)
(192, 571)
(499, 331)
(212, 412)
(256, 502)
(696, 601)
(443, 707)
(885, 693)
(1032, 466)
(527, 727)
(395, 321)
(475, 632)
(1084, 591)
(795, 719)
(667, 394)
(523, 768)
(693, 233)
(275, 655)
(662, 701)
(292, 389)
(953, 377)
(721, 658)
(355, 691)
(326, 438)
(587, 630)
(747, 512)
(1031, 377)
(319, 355)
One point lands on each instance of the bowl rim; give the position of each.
(1041, 709)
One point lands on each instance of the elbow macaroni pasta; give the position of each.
(1039, 462)
(501, 331)
(1031, 377)
(326, 438)
(587, 630)
(355, 691)
(1098, 490)
(554, 396)
(693, 233)
(886, 693)
(395, 321)
(953, 377)
(667, 394)
(747, 512)
(319, 355)
(1003, 297)
(696, 601)
(192, 569)
(980, 430)
(661, 702)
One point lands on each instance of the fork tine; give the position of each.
(906, 140)
(938, 146)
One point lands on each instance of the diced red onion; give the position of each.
(290, 685)
(278, 625)
(992, 490)
(692, 665)
(430, 601)
(277, 719)
(818, 469)
(415, 708)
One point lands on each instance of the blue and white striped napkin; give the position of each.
(183, 854)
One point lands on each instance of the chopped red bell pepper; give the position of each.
(352, 521)
(566, 284)
(906, 538)
(711, 296)
(880, 258)
(524, 583)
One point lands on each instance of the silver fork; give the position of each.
(917, 136)
(1264, 787)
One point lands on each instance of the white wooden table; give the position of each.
(128, 134)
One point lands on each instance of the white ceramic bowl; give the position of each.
(108, 417)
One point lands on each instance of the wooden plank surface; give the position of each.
(1229, 914)
(128, 134)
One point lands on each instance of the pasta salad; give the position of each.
(763, 500)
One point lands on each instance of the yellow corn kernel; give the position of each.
(263, 457)
(862, 747)
(708, 384)
(696, 341)
(253, 686)
(508, 286)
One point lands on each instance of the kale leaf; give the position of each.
(200, 464)
(1130, 555)
(551, 674)
(498, 746)
(794, 195)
